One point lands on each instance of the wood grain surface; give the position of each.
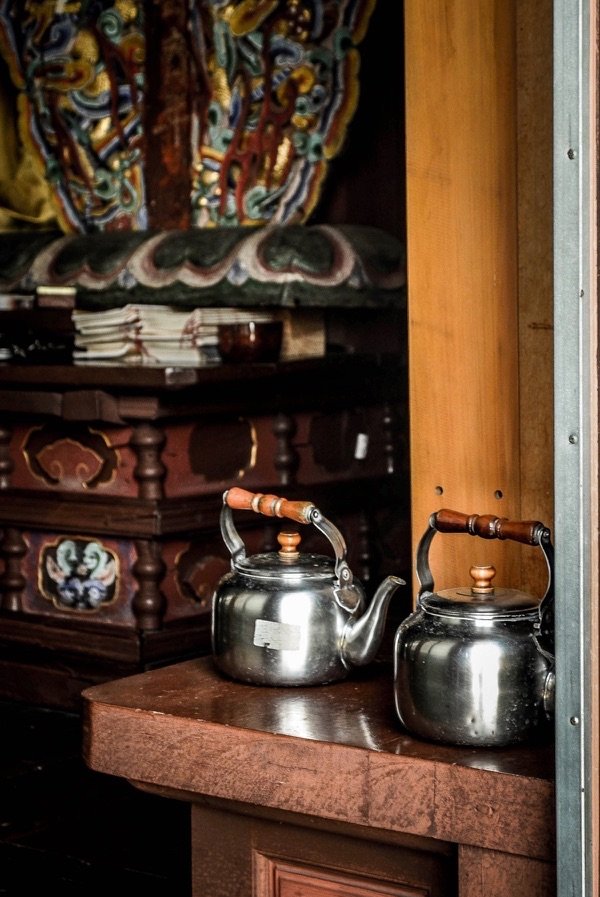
(462, 264)
(335, 751)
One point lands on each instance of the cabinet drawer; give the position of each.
(284, 855)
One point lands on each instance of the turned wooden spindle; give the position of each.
(13, 549)
(6, 462)
(148, 442)
(287, 459)
(149, 602)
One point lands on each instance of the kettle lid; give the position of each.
(287, 563)
(481, 599)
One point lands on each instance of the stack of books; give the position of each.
(154, 334)
(47, 327)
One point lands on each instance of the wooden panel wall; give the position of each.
(462, 264)
(535, 231)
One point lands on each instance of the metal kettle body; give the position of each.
(474, 666)
(287, 618)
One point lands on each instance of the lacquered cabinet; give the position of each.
(112, 482)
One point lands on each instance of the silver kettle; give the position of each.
(475, 665)
(289, 618)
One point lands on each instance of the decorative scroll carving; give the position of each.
(294, 265)
(61, 456)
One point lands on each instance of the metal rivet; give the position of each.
(574, 720)
(571, 153)
(573, 438)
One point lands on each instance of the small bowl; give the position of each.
(252, 341)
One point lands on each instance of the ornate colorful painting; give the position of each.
(272, 87)
(77, 574)
(284, 84)
(79, 70)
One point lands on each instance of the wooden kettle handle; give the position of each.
(488, 527)
(269, 505)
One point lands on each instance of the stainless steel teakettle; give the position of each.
(475, 665)
(288, 618)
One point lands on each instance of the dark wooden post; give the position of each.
(12, 582)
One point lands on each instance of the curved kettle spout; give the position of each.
(362, 637)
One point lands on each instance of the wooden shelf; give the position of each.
(335, 753)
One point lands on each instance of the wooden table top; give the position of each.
(335, 751)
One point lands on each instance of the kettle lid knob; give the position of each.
(289, 542)
(482, 576)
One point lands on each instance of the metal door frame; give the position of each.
(576, 445)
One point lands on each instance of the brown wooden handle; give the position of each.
(269, 505)
(487, 526)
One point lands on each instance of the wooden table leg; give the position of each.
(489, 873)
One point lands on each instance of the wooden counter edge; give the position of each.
(464, 805)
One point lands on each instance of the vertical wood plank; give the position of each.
(535, 218)
(462, 268)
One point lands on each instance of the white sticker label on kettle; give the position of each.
(278, 636)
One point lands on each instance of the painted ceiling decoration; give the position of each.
(275, 86)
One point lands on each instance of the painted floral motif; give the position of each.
(79, 70)
(78, 575)
(283, 80)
